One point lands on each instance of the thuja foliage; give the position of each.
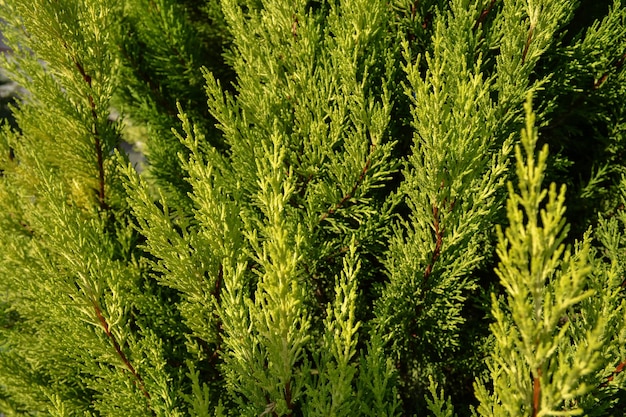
(349, 208)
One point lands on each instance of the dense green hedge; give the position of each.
(349, 208)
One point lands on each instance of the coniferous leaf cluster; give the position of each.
(348, 208)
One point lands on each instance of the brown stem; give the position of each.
(288, 398)
(216, 293)
(617, 64)
(118, 349)
(25, 226)
(182, 60)
(438, 243)
(528, 41)
(350, 194)
(579, 99)
(537, 393)
(95, 132)
(483, 15)
(100, 162)
(618, 370)
(439, 231)
(270, 407)
(155, 89)
(294, 27)
(218, 283)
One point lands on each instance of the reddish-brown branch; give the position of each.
(413, 10)
(439, 231)
(29, 230)
(600, 81)
(270, 407)
(294, 27)
(537, 393)
(438, 243)
(617, 64)
(288, 398)
(25, 226)
(576, 102)
(620, 62)
(350, 194)
(528, 41)
(216, 293)
(618, 370)
(99, 156)
(97, 142)
(218, 284)
(155, 89)
(81, 70)
(118, 349)
(483, 15)
(184, 62)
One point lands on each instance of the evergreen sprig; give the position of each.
(322, 226)
(536, 367)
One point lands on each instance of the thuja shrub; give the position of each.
(349, 208)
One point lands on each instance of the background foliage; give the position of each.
(338, 214)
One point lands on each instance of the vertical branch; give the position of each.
(618, 370)
(433, 259)
(576, 102)
(294, 27)
(528, 42)
(96, 134)
(288, 398)
(118, 349)
(439, 231)
(350, 194)
(483, 15)
(617, 64)
(99, 157)
(270, 407)
(216, 293)
(536, 393)
(438, 243)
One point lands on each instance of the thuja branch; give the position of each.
(118, 350)
(96, 134)
(156, 89)
(288, 398)
(270, 406)
(577, 101)
(170, 41)
(25, 226)
(350, 194)
(216, 293)
(438, 243)
(536, 393)
(617, 65)
(439, 231)
(618, 370)
(483, 15)
(294, 27)
(529, 39)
